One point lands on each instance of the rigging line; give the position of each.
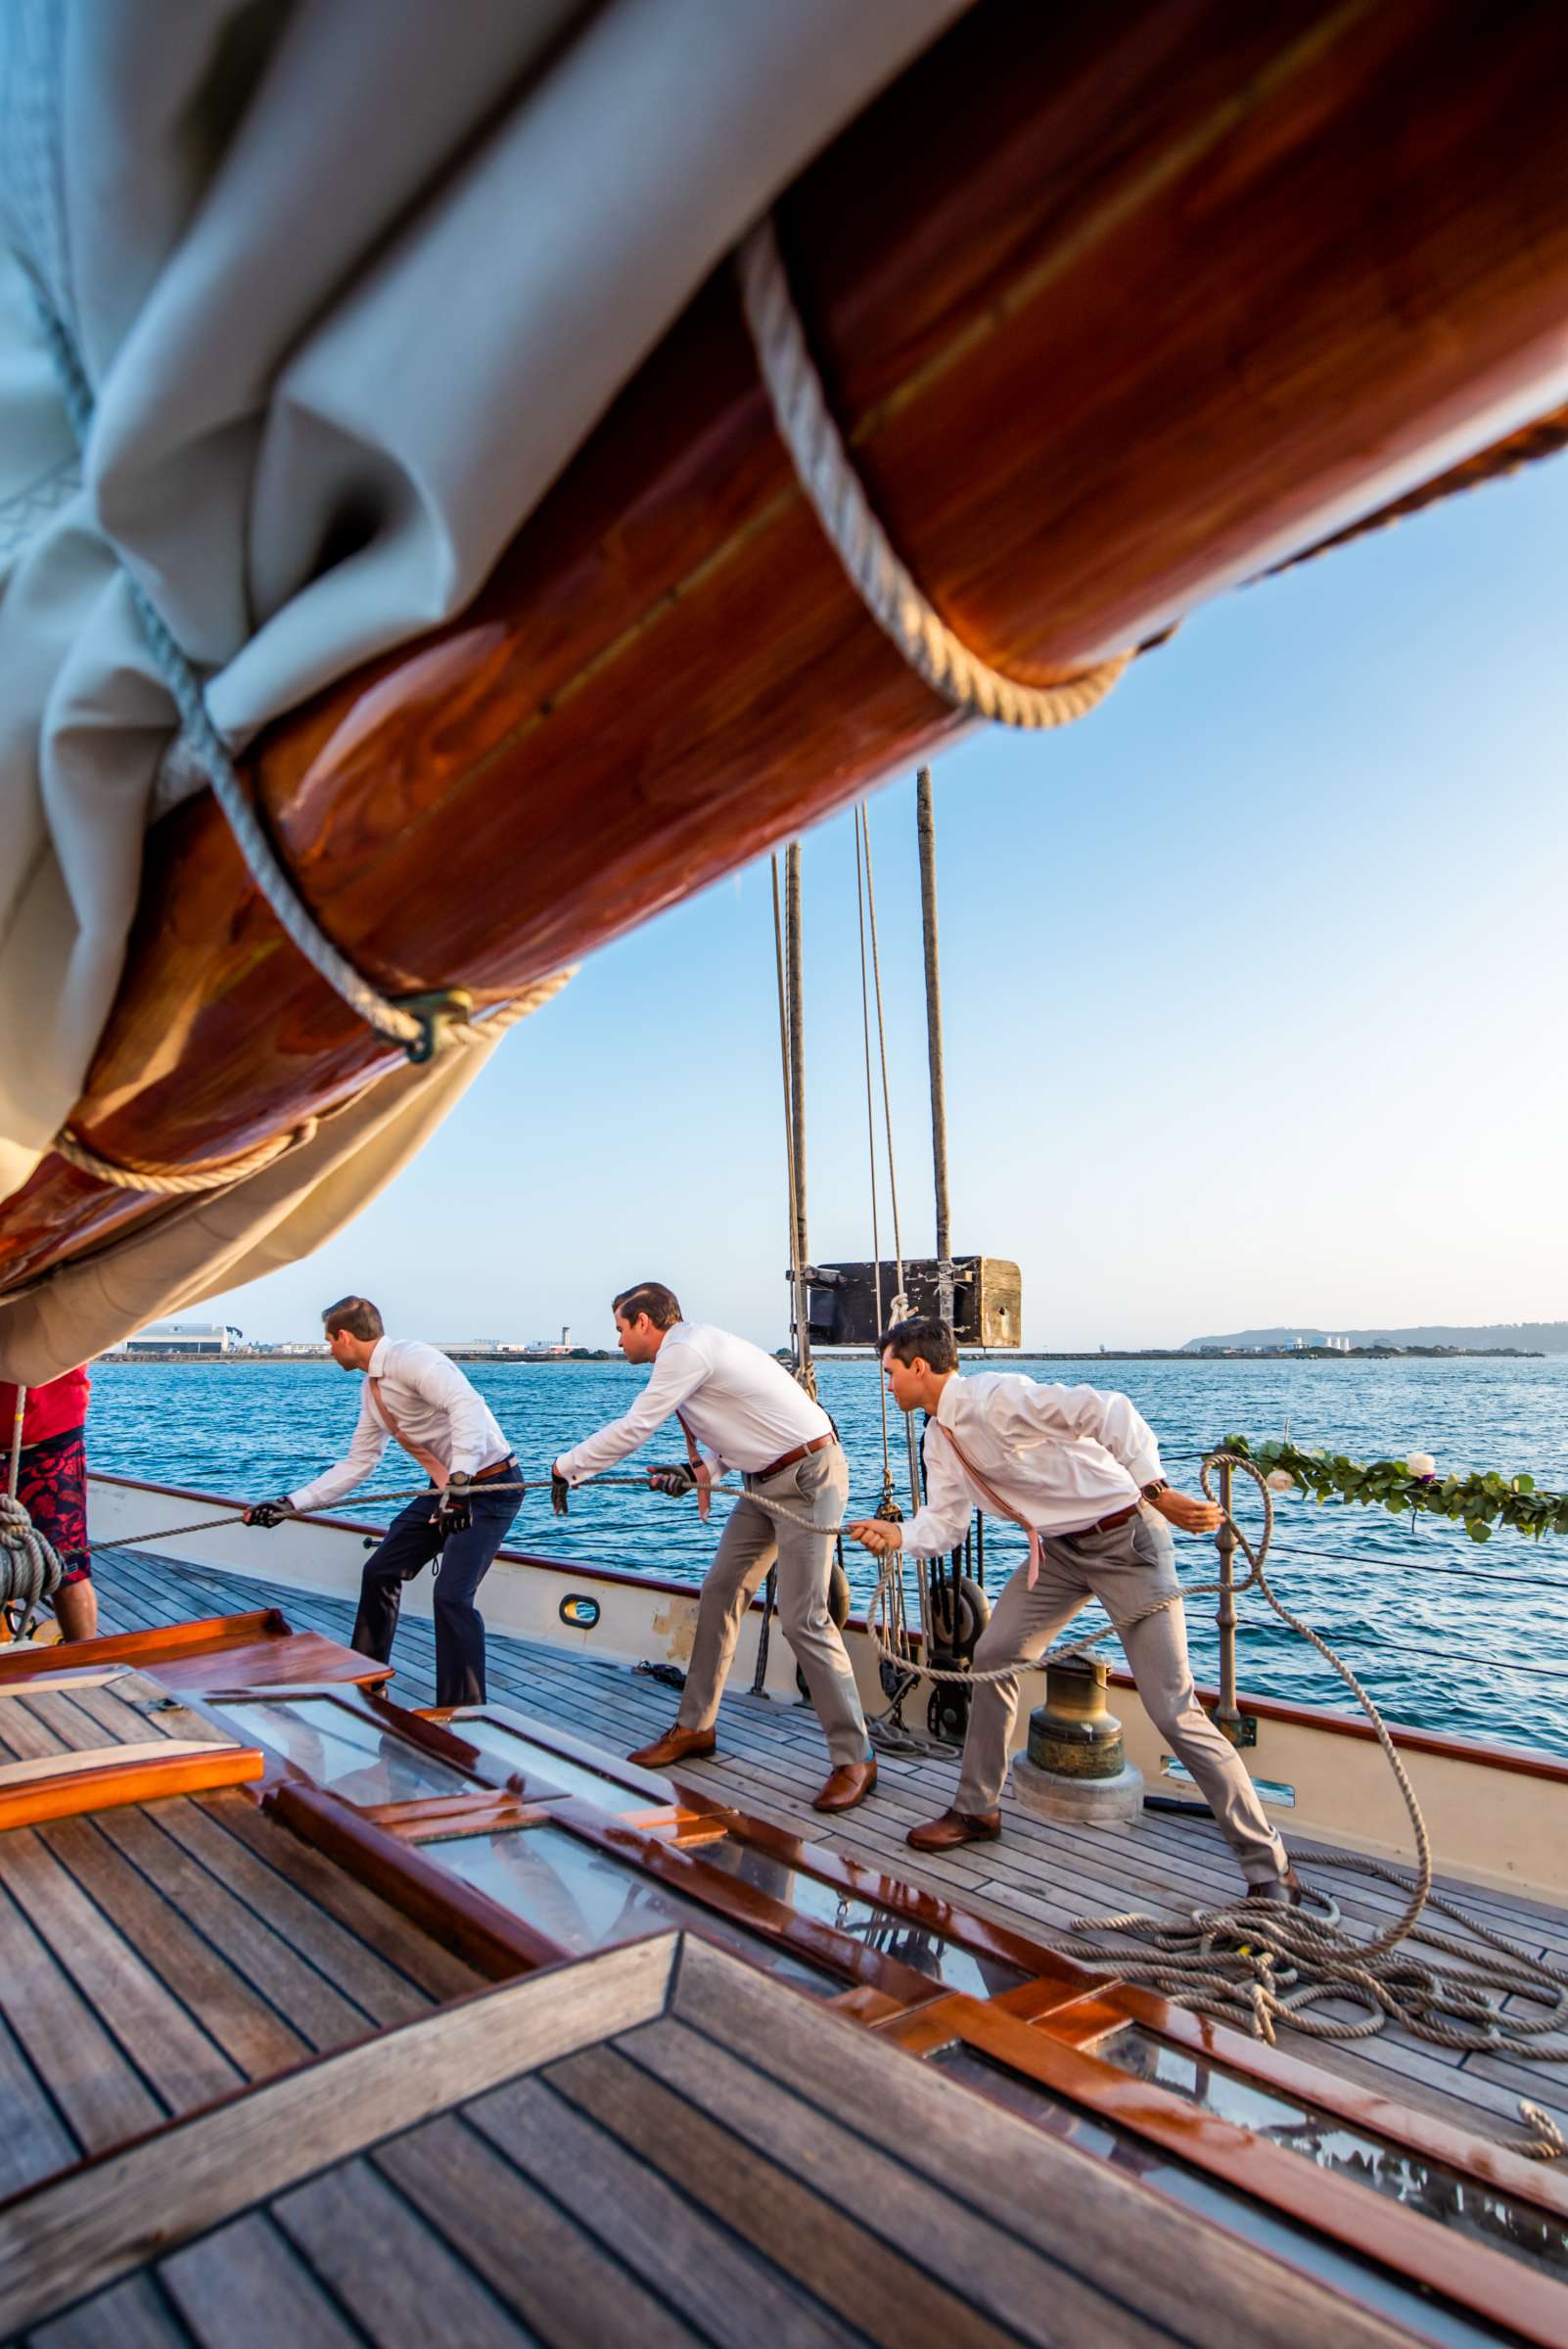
(882, 1047)
(871, 1152)
(797, 1286)
(1409, 1565)
(1447, 1655)
(901, 1302)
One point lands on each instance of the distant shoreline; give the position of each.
(1146, 1353)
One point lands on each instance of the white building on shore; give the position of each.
(194, 1337)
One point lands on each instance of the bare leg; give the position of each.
(77, 1610)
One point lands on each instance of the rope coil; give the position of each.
(31, 1567)
(883, 582)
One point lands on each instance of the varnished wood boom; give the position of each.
(1116, 304)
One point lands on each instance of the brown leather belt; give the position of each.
(1106, 1525)
(496, 1468)
(788, 1459)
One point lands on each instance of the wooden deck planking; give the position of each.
(245, 2287)
(134, 2315)
(1038, 1876)
(712, 2279)
(153, 1957)
(658, 2145)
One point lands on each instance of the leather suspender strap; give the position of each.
(994, 1499)
(703, 1478)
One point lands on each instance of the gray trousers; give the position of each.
(1124, 1569)
(816, 1487)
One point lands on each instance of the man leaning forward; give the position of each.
(740, 1409)
(416, 1397)
(1080, 1472)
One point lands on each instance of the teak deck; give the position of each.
(772, 1761)
(654, 2145)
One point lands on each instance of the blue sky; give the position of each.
(1255, 984)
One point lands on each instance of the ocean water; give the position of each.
(1448, 1634)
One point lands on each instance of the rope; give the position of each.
(1257, 1963)
(1262, 1964)
(166, 1182)
(886, 587)
(171, 1183)
(871, 1152)
(31, 1566)
(418, 1030)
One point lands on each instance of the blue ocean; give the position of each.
(1447, 1634)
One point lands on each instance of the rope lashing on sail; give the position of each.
(420, 1023)
(179, 1182)
(176, 1183)
(883, 583)
(31, 1566)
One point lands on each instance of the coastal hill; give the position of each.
(1527, 1337)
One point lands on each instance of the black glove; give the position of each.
(677, 1481)
(269, 1513)
(559, 1489)
(455, 1513)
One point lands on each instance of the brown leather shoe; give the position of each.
(1287, 1891)
(955, 1828)
(846, 1785)
(675, 1745)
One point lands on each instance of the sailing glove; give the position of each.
(677, 1481)
(455, 1513)
(269, 1513)
(559, 1489)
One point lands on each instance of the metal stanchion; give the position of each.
(1227, 1714)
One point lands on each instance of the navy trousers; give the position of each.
(462, 1561)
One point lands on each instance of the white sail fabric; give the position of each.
(350, 281)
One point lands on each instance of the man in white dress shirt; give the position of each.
(1080, 1472)
(740, 1409)
(415, 1395)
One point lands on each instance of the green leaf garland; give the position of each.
(1477, 1502)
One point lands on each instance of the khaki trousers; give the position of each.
(1124, 1569)
(816, 1487)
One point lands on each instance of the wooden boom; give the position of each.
(1115, 302)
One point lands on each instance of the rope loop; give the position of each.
(31, 1566)
(419, 1023)
(883, 582)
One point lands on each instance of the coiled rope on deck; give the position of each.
(31, 1567)
(883, 583)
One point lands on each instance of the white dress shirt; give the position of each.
(743, 1407)
(1062, 1456)
(434, 1405)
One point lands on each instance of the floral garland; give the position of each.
(1477, 1502)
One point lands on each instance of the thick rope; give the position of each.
(31, 1567)
(169, 1183)
(179, 1182)
(419, 1033)
(883, 582)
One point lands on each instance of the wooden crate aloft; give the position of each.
(987, 1300)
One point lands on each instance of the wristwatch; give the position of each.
(1152, 1491)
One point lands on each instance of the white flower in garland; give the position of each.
(1280, 1479)
(1420, 1464)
